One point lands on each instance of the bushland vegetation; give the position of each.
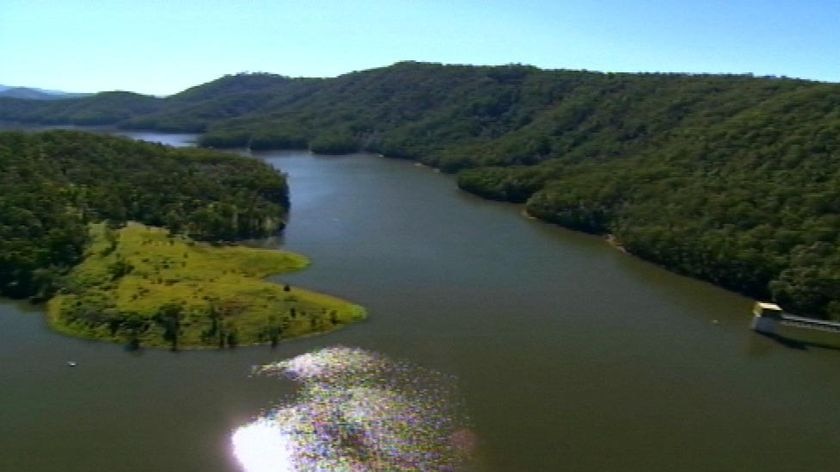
(733, 179)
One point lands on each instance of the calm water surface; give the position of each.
(568, 355)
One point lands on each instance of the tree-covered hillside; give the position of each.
(732, 179)
(56, 183)
(101, 109)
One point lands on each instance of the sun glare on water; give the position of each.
(356, 411)
(262, 447)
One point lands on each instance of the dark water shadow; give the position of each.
(799, 344)
(786, 342)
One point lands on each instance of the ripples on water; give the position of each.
(357, 411)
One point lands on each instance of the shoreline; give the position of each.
(610, 239)
(613, 241)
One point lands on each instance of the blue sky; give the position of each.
(162, 47)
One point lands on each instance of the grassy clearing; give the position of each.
(142, 286)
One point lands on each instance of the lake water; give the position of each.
(567, 354)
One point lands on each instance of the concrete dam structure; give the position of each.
(770, 319)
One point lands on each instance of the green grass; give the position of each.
(142, 286)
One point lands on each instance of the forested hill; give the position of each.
(56, 183)
(732, 179)
(100, 109)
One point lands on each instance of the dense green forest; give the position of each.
(56, 183)
(729, 178)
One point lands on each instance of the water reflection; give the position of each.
(357, 411)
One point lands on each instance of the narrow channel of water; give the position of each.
(568, 355)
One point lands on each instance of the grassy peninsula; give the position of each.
(144, 286)
(65, 236)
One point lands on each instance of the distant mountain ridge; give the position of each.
(32, 93)
(733, 179)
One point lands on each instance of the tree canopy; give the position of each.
(56, 183)
(733, 179)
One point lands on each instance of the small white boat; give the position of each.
(71, 364)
